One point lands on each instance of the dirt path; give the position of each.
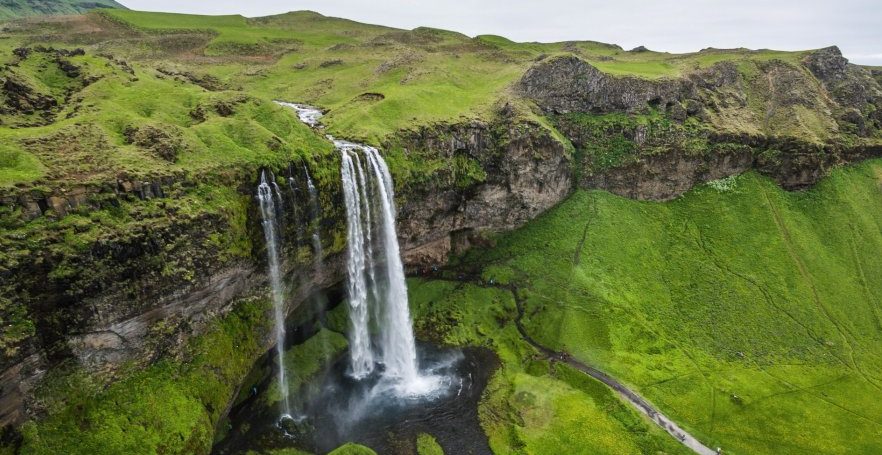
(629, 395)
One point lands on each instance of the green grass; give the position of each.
(427, 445)
(734, 306)
(14, 9)
(352, 449)
(18, 166)
(304, 361)
(530, 406)
(87, 144)
(168, 407)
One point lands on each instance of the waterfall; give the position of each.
(314, 218)
(398, 346)
(368, 190)
(375, 274)
(267, 192)
(362, 357)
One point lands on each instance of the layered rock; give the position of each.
(138, 297)
(525, 172)
(792, 122)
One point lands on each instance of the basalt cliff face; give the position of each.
(790, 122)
(521, 172)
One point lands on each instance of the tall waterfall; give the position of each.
(375, 274)
(367, 188)
(362, 355)
(398, 346)
(267, 193)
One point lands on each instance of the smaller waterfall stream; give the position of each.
(359, 334)
(315, 214)
(267, 192)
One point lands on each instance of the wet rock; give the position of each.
(527, 172)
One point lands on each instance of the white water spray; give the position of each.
(267, 191)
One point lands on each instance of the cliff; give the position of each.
(127, 173)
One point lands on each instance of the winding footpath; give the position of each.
(629, 395)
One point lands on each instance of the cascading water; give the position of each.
(314, 218)
(399, 348)
(267, 192)
(367, 190)
(360, 342)
(375, 274)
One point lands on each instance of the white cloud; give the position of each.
(667, 25)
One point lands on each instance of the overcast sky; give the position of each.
(665, 25)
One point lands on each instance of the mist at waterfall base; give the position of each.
(333, 409)
(386, 388)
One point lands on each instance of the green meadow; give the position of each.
(750, 315)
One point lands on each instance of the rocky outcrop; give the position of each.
(790, 121)
(855, 90)
(525, 171)
(840, 97)
(569, 84)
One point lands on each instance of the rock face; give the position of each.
(569, 84)
(527, 172)
(789, 121)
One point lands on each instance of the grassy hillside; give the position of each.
(751, 315)
(98, 108)
(10, 9)
(376, 80)
(530, 405)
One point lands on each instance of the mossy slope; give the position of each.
(750, 315)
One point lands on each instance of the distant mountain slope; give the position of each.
(11, 9)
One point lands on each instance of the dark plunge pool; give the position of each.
(337, 409)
